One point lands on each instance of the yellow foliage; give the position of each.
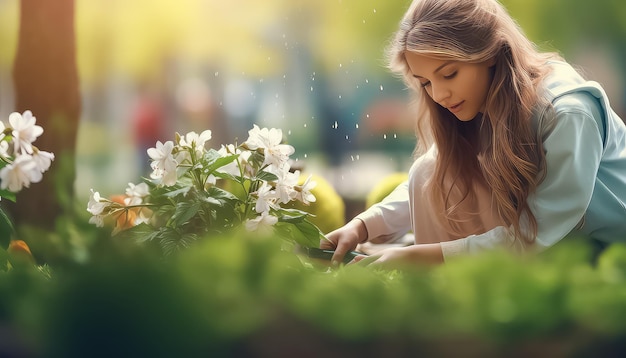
(384, 188)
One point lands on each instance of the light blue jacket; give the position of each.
(585, 182)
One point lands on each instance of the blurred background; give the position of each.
(313, 68)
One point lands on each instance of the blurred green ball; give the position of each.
(384, 188)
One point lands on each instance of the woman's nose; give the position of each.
(440, 93)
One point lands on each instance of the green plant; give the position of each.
(21, 164)
(196, 192)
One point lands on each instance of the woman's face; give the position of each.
(460, 87)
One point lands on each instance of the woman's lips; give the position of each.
(457, 107)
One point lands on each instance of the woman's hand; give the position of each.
(345, 239)
(398, 257)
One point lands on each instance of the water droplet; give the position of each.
(384, 136)
(339, 96)
(395, 136)
(374, 11)
(311, 88)
(347, 137)
(340, 65)
(305, 155)
(367, 81)
(356, 126)
(381, 87)
(367, 115)
(363, 20)
(352, 157)
(358, 157)
(335, 125)
(216, 74)
(289, 132)
(305, 125)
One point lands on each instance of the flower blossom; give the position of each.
(4, 148)
(195, 141)
(265, 198)
(25, 131)
(136, 193)
(262, 224)
(42, 159)
(96, 207)
(163, 163)
(285, 184)
(20, 173)
(270, 140)
(2, 128)
(303, 192)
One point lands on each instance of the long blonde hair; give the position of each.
(499, 149)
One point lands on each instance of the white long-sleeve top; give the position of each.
(585, 183)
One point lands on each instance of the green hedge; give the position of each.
(244, 297)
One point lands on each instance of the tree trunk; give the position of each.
(46, 82)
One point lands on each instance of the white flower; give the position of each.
(269, 140)
(303, 192)
(25, 131)
(162, 155)
(262, 224)
(265, 198)
(19, 174)
(163, 163)
(98, 220)
(43, 160)
(194, 141)
(136, 193)
(96, 205)
(285, 184)
(4, 149)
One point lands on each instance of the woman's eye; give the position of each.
(450, 76)
(425, 84)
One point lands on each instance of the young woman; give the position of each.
(515, 148)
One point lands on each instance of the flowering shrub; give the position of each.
(194, 192)
(21, 163)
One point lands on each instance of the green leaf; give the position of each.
(173, 241)
(266, 176)
(6, 229)
(214, 160)
(185, 210)
(179, 191)
(228, 176)
(221, 194)
(140, 233)
(7, 195)
(303, 233)
(292, 215)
